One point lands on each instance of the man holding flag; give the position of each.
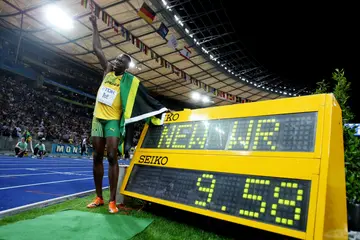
(121, 99)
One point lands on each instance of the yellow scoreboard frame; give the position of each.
(322, 167)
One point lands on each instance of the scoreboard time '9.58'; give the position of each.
(275, 165)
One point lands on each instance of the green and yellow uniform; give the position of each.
(107, 112)
(27, 136)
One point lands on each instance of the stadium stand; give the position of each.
(60, 108)
(41, 112)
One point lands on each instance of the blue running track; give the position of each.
(26, 180)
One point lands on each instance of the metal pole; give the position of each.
(21, 32)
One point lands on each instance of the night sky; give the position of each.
(309, 60)
(301, 43)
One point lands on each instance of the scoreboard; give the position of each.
(274, 165)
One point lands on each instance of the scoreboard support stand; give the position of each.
(274, 165)
(119, 196)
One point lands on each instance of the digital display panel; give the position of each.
(271, 200)
(287, 133)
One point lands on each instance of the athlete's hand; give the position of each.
(92, 19)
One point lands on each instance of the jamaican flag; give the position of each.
(137, 105)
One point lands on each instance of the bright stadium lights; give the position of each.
(188, 31)
(205, 51)
(58, 18)
(196, 96)
(205, 99)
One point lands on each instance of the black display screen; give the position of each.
(288, 132)
(271, 200)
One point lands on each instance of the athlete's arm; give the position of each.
(97, 44)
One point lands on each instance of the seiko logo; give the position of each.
(172, 117)
(156, 160)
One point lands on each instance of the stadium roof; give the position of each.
(218, 63)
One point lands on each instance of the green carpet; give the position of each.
(75, 225)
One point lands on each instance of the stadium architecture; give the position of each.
(240, 145)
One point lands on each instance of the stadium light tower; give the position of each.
(205, 99)
(58, 17)
(196, 96)
(132, 64)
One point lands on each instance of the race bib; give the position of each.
(106, 95)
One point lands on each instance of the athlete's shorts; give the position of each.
(105, 128)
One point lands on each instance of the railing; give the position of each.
(7, 146)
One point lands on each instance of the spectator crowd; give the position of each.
(44, 111)
(39, 111)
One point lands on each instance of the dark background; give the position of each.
(300, 42)
(303, 44)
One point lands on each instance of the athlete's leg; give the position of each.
(36, 151)
(31, 146)
(41, 154)
(112, 155)
(98, 167)
(17, 150)
(21, 153)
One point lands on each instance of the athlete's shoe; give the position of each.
(96, 203)
(112, 207)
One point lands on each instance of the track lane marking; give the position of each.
(47, 183)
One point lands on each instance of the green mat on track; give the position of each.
(75, 225)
